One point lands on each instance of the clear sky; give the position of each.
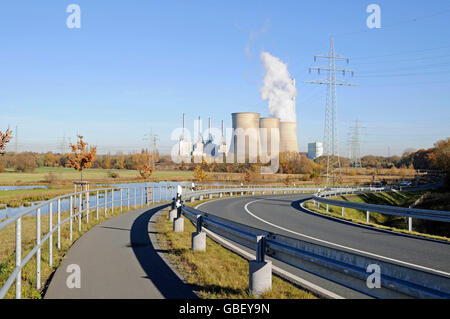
(135, 65)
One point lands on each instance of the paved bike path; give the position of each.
(120, 259)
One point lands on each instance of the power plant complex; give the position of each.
(251, 136)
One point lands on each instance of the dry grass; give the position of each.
(7, 249)
(217, 273)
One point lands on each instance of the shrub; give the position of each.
(25, 162)
(51, 178)
(113, 175)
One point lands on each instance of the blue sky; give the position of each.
(136, 65)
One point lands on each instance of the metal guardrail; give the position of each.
(341, 266)
(436, 215)
(79, 207)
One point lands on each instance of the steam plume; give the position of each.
(278, 88)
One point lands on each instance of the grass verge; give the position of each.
(217, 273)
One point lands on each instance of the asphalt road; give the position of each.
(283, 215)
(118, 259)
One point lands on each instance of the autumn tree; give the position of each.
(4, 139)
(144, 165)
(81, 156)
(199, 174)
(441, 157)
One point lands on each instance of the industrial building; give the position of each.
(315, 150)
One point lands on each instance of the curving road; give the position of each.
(284, 215)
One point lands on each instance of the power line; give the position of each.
(413, 20)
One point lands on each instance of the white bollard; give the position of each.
(173, 214)
(260, 277)
(198, 241)
(178, 225)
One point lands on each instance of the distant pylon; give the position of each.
(355, 145)
(330, 140)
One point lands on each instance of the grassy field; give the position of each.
(20, 197)
(217, 273)
(7, 250)
(394, 223)
(40, 175)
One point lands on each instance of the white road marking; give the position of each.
(340, 246)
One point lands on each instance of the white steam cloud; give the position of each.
(278, 88)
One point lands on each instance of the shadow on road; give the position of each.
(160, 274)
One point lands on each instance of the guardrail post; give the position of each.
(96, 204)
(87, 208)
(112, 201)
(198, 241)
(327, 208)
(367, 216)
(178, 224)
(80, 212)
(50, 239)
(121, 200)
(19, 257)
(106, 202)
(260, 271)
(173, 214)
(38, 252)
(343, 211)
(70, 215)
(58, 219)
(409, 224)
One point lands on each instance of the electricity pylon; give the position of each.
(355, 145)
(330, 140)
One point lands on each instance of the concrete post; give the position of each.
(198, 241)
(327, 208)
(178, 225)
(210, 196)
(201, 197)
(343, 209)
(220, 195)
(260, 271)
(409, 224)
(368, 217)
(173, 214)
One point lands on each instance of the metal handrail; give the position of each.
(436, 215)
(84, 199)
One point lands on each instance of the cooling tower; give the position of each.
(269, 124)
(288, 137)
(245, 137)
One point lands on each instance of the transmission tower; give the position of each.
(355, 145)
(16, 141)
(330, 129)
(153, 139)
